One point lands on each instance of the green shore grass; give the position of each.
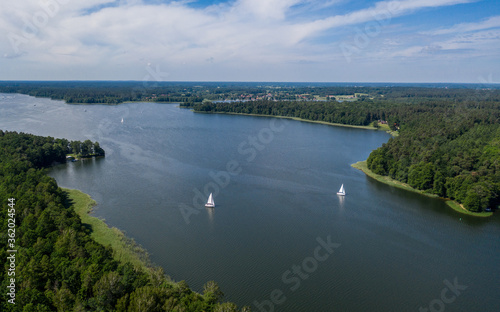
(460, 208)
(77, 156)
(361, 165)
(124, 249)
(386, 128)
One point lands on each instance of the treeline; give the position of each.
(104, 92)
(82, 149)
(58, 267)
(189, 93)
(44, 151)
(360, 113)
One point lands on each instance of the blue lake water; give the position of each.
(279, 238)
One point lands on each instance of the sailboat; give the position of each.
(210, 203)
(341, 191)
(122, 120)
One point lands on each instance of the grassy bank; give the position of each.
(387, 129)
(361, 165)
(460, 208)
(124, 249)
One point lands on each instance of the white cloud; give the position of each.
(265, 9)
(236, 35)
(492, 22)
(384, 10)
(478, 44)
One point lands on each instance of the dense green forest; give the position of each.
(360, 113)
(57, 266)
(453, 154)
(104, 92)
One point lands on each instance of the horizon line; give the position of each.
(255, 81)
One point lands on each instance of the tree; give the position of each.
(212, 292)
(98, 151)
(63, 300)
(226, 307)
(439, 184)
(472, 201)
(420, 176)
(89, 147)
(144, 299)
(75, 147)
(108, 290)
(86, 148)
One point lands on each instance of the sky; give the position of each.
(251, 40)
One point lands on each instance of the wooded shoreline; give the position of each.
(361, 165)
(294, 118)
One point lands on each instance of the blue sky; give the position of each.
(251, 40)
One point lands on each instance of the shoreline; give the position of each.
(386, 128)
(124, 248)
(361, 165)
(112, 104)
(300, 119)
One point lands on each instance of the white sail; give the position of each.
(341, 191)
(210, 201)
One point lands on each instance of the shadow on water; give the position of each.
(433, 206)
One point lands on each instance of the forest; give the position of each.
(57, 266)
(359, 113)
(454, 154)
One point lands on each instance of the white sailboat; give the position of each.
(210, 203)
(122, 120)
(341, 191)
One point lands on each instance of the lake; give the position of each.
(279, 238)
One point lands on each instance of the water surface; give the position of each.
(393, 249)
